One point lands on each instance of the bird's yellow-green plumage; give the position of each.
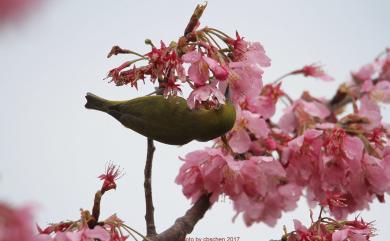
(167, 120)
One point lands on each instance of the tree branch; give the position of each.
(149, 214)
(185, 224)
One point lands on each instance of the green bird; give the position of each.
(167, 120)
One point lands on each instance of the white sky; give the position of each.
(52, 149)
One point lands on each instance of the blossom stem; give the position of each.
(281, 78)
(214, 30)
(130, 233)
(149, 215)
(118, 50)
(217, 34)
(288, 98)
(212, 38)
(320, 215)
(129, 229)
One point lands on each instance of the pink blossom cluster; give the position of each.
(13, 9)
(16, 223)
(327, 229)
(316, 150)
(346, 156)
(264, 166)
(88, 227)
(109, 230)
(62, 232)
(258, 186)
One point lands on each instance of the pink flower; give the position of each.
(331, 230)
(251, 183)
(370, 109)
(200, 65)
(385, 67)
(240, 141)
(198, 70)
(264, 195)
(244, 51)
(16, 223)
(244, 81)
(381, 92)
(219, 71)
(112, 174)
(302, 113)
(163, 63)
(377, 174)
(11, 9)
(365, 73)
(247, 121)
(85, 234)
(265, 104)
(313, 71)
(197, 164)
(256, 54)
(354, 231)
(246, 72)
(262, 105)
(207, 93)
(334, 165)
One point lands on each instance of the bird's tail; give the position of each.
(95, 102)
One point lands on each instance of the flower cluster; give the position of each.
(16, 223)
(13, 9)
(111, 229)
(212, 73)
(246, 182)
(265, 165)
(328, 229)
(88, 227)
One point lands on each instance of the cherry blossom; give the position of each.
(16, 223)
(314, 71)
(205, 94)
(338, 158)
(112, 174)
(13, 9)
(327, 229)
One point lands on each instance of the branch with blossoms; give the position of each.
(263, 165)
(89, 226)
(338, 160)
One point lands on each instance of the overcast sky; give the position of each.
(52, 149)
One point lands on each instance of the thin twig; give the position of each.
(149, 215)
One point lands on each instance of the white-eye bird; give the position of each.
(167, 120)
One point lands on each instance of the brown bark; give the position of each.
(149, 214)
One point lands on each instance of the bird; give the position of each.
(167, 120)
